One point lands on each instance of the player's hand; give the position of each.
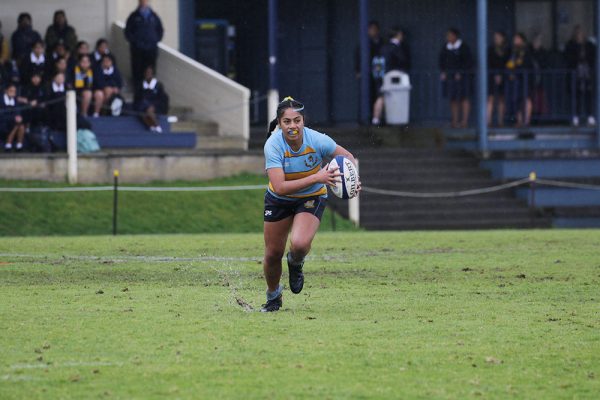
(358, 185)
(329, 176)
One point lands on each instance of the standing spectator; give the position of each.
(540, 59)
(4, 50)
(151, 99)
(60, 32)
(520, 82)
(11, 120)
(396, 56)
(56, 112)
(101, 50)
(497, 56)
(143, 32)
(108, 80)
(35, 63)
(580, 57)
(82, 79)
(375, 61)
(23, 38)
(455, 63)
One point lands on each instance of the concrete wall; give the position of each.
(98, 168)
(90, 18)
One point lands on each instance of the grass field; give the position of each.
(502, 314)
(90, 213)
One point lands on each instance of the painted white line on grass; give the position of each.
(130, 258)
(20, 378)
(66, 364)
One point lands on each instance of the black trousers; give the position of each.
(140, 59)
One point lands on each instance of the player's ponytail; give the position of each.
(286, 103)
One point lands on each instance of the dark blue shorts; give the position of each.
(278, 209)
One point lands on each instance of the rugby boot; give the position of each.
(296, 274)
(272, 305)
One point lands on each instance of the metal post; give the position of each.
(597, 75)
(532, 179)
(273, 93)
(482, 75)
(71, 136)
(365, 80)
(115, 200)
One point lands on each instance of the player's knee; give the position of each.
(273, 256)
(300, 247)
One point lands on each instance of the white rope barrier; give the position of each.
(366, 189)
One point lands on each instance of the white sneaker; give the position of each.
(158, 129)
(96, 115)
(19, 146)
(375, 121)
(8, 146)
(591, 120)
(575, 121)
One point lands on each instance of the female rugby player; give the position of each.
(296, 196)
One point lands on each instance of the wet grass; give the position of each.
(383, 315)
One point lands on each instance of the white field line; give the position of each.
(19, 378)
(66, 364)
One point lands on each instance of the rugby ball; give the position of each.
(348, 185)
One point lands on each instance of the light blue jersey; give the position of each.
(299, 164)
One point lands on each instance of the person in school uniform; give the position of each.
(12, 126)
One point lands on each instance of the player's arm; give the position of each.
(283, 187)
(340, 151)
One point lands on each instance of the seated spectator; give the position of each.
(60, 65)
(56, 113)
(101, 50)
(11, 121)
(60, 50)
(151, 99)
(35, 63)
(108, 80)
(33, 95)
(23, 38)
(4, 50)
(60, 31)
(10, 73)
(82, 79)
(82, 48)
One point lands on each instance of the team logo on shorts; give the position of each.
(268, 213)
(309, 204)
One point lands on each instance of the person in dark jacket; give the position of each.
(540, 58)
(520, 81)
(23, 38)
(497, 57)
(60, 31)
(12, 126)
(100, 51)
(396, 55)
(143, 31)
(33, 95)
(375, 61)
(107, 80)
(56, 113)
(35, 63)
(580, 57)
(455, 63)
(151, 99)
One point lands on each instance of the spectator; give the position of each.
(4, 50)
(520, 82)
(11, 73)
(497, 57)
(108, 80)
(396, 56)
(455, 63)
(11, 120)
(60, 51)
(60, 32)
(33, 95)
(82, 79)
(580, 57)
(101, 50)
(35, 63)
(23, 38)
(375, 61)
(143, 31)
(82, 48)
(60, 65)
(56, 113)
(540, 58)
(151, 99)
